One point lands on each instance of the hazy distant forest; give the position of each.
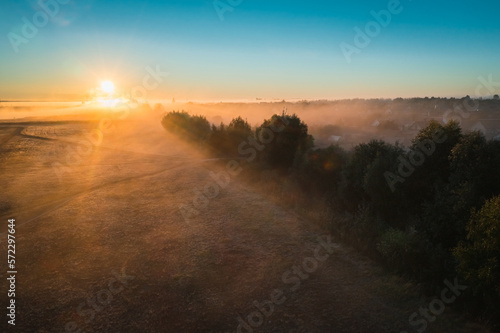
(429, 210)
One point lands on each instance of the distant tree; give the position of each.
(158, 108)
(388, 125)
(496, 97)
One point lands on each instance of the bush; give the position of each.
(402, 251)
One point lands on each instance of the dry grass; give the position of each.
(117, 211)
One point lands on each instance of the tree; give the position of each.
(195, 128)
(432, 145)
(286, 139)
(389, 205)
(479, 255)
(238, 131)
(474, 177)
(218, 141)
(474, 165)
(363, 177)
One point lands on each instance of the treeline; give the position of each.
(430, 211)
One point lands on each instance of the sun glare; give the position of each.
(108, 87)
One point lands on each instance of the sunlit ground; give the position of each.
(90, 207)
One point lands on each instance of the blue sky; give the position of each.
(278, 49)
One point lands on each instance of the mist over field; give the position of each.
(132, 210)
(249, 166)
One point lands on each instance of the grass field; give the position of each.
(103, 247)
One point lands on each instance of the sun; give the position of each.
(108, 87)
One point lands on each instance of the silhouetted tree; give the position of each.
(429, 152)
(238, 131)
(285, 138)
(195, 128)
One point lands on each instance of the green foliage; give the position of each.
(320, 170)
(424, 227)
(218, 141)
(474, 163)
(409, 253)
(238, 131)
(286, 140)
(474, 178)
(435, 142)
(479, 254)
(397, 248)
(387, 205)
(363, 176)
(360, 230)
(194, 128)
(221, 140)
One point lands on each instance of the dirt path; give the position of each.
(107, 249)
